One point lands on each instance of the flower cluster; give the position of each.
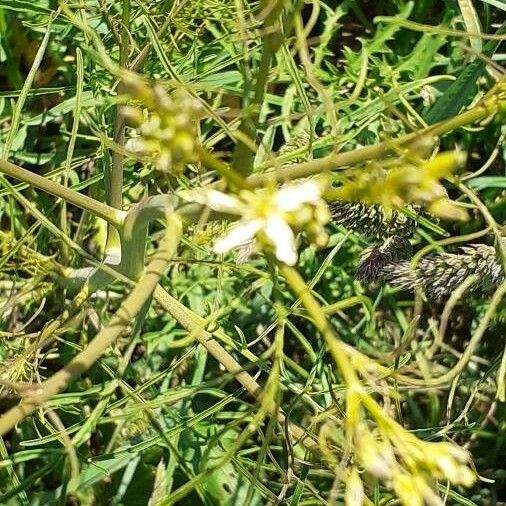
(166, 126)
(375, 258)
(271, 216)
(401, 182)
(410, 466)
(385, 451)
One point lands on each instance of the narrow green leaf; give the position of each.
(472, 22)
(461, 92)
(25, 6)
(59, 110)
(480, 183)
(16, 116)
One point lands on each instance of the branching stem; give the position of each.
(106, 337)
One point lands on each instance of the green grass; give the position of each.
(156, 418)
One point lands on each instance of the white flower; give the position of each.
(268, 215)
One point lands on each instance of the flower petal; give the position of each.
(281, 236)
(216, 200)
(291, 196)
(240, 233)
(222, 202)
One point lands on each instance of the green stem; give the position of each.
(182, 315)
(112, 216)
(340, 160)
(243, 156)
(129, 259)
(116, 186)
(115, 190)
(134, 233)
(115, 216)
(321, 322)
(72, 141)
(230, 175)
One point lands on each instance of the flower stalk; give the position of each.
(388, 452)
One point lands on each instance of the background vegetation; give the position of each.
(157, 419)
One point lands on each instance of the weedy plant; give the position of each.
(219, 281)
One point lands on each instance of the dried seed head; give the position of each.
(372, 220)
(439, 275)
(376, 257)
